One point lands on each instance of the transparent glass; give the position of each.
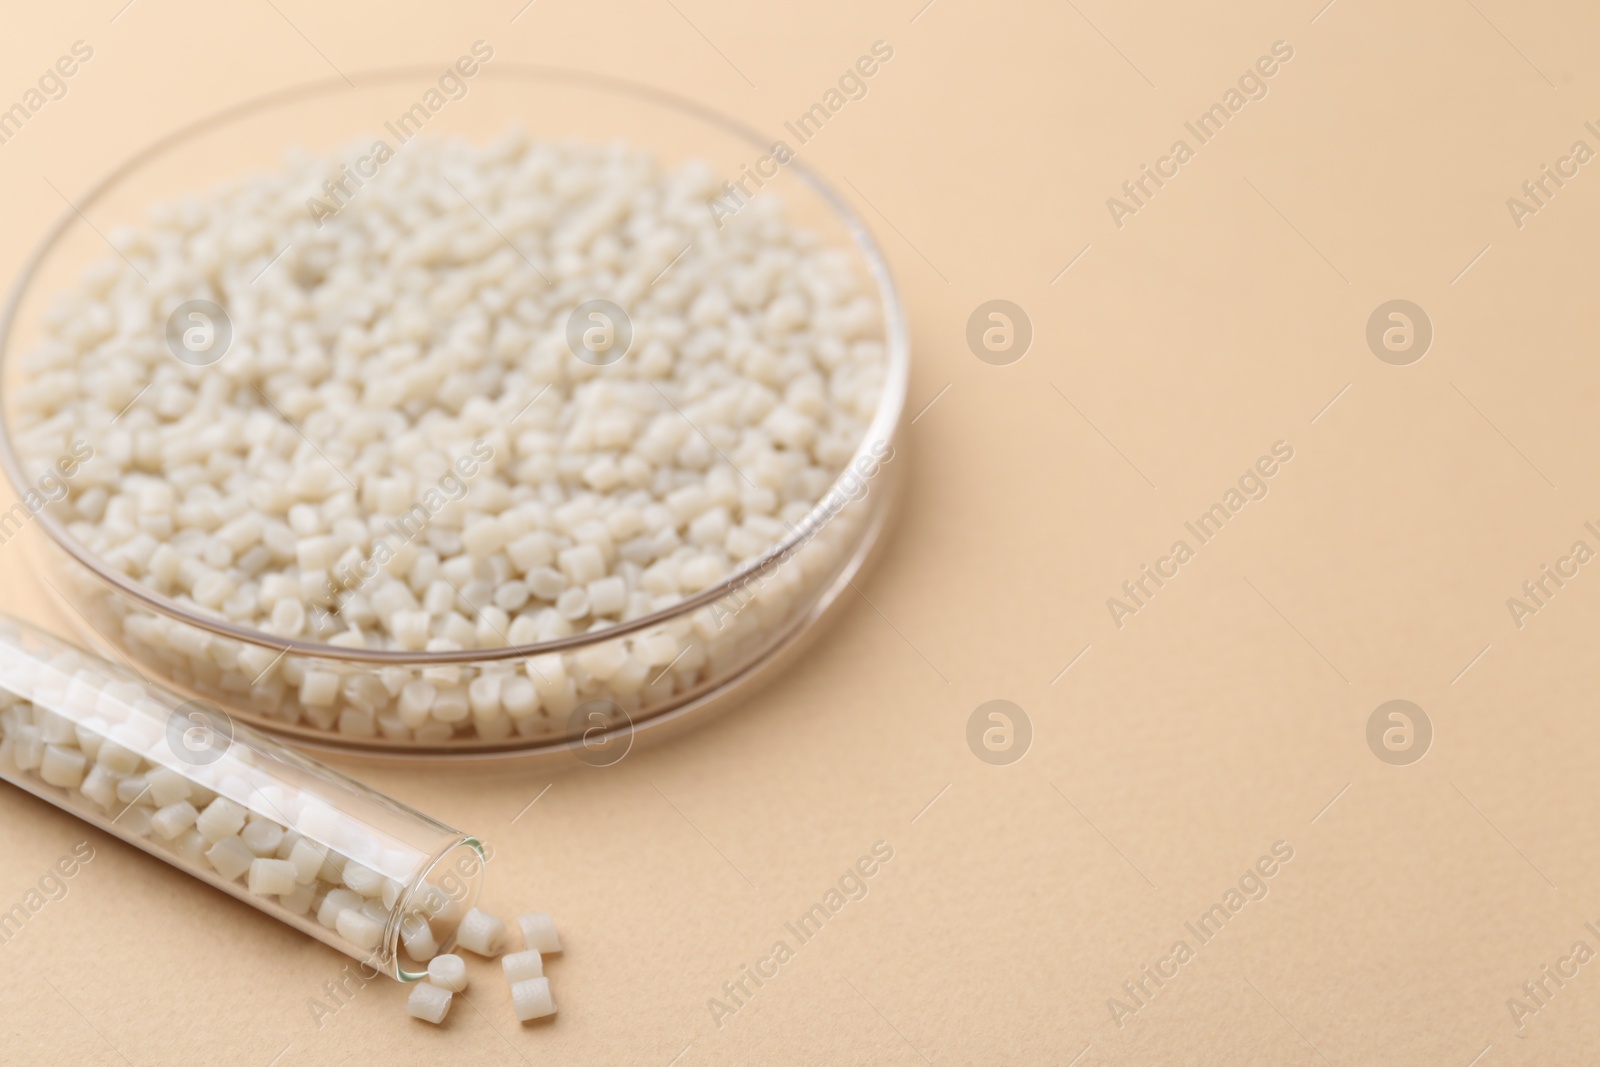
(369, 876)
(591, 689)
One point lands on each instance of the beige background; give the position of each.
(1224, 717)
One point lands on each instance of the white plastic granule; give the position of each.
(481, 933)
(62, 766)
(539, 932)
(230, 857)
(263, 836)
(402, 449)
(359, 928)
(307, 857)
(174, 819)
(363, 879)
(428, 1002)
(271, 877)
(531, 999)
(448, 971)
(222, 818)
(417, 937)
(336, 902)
(520, 966)
(167, 787)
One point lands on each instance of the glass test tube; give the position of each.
(375, 879)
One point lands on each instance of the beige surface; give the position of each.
(1222, 718)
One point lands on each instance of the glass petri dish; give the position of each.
(694, 654)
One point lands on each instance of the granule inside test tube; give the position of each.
(359, 928)
(363, 879)
(168, 787)
(62, 766)
(271, 877)
(263, 837)
(174, 819)
(335, 903)
(231, 857)
(418, 938)
(307, 857)
(222, 818)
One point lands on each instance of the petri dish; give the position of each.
(702, 650)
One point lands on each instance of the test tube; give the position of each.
(369, 876)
